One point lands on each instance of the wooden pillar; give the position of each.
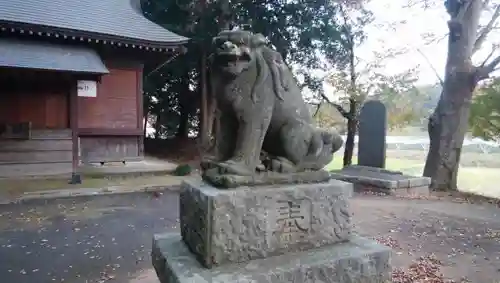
(73, 121)
(140, 111)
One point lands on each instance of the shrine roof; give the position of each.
(47, 56)
(101, 20)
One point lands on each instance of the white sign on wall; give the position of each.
(87, 88)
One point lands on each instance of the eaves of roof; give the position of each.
(107, 21)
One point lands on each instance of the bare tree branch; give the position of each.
(346, 26)
(429, 39)
(483, 34)
(317, 110)
(493, 64)
(485, 71)
(486, 3)
(339, 108)
(488, 57)
(441, 81)
(496, 27)
(425, 4)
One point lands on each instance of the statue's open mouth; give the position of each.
(231, 59)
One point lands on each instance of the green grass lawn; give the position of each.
(477, 180)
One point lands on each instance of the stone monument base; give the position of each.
(238, 225)
(358, 260)
(371, 179)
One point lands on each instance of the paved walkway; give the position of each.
(108, 238)
(21, 190)
(86, 239)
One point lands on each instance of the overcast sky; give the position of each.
(398, 27)
(410, 25)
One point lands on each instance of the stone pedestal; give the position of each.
(358, 260)
(283, 233)
(380, 180)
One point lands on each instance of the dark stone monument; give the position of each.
(372, 133)
(369, 174)
(266, 211)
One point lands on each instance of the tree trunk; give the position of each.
(204, 112)
(349, 142)
(145, 113)
(158, 125)
(184, 108)
(352, 126)
(447, 128)
(183, 130)
(203, 117)
(145, 124)
(448, 124)
(225, 19)
(353, 105)
(211, 117)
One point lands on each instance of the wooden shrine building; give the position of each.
(71, 81)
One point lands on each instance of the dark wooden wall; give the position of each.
(36, 97)
(110, 149)
(111, 123)
(40, 98)
(115, 106)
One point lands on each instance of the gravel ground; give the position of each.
(108, 238)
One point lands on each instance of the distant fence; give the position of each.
(419, 143)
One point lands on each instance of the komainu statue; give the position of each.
(264, 126)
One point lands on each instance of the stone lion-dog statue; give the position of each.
(263, 122)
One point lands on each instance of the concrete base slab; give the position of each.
(420, 191)
(370, 179)
(146, 167)
(359, 260)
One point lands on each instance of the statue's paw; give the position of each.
(337, 143)
(237, 168)
(333, 138)
(208, 163)
(332, 141)
(282, 165)
(231, 167)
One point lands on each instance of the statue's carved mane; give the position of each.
(277, 68)
(268, 61)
